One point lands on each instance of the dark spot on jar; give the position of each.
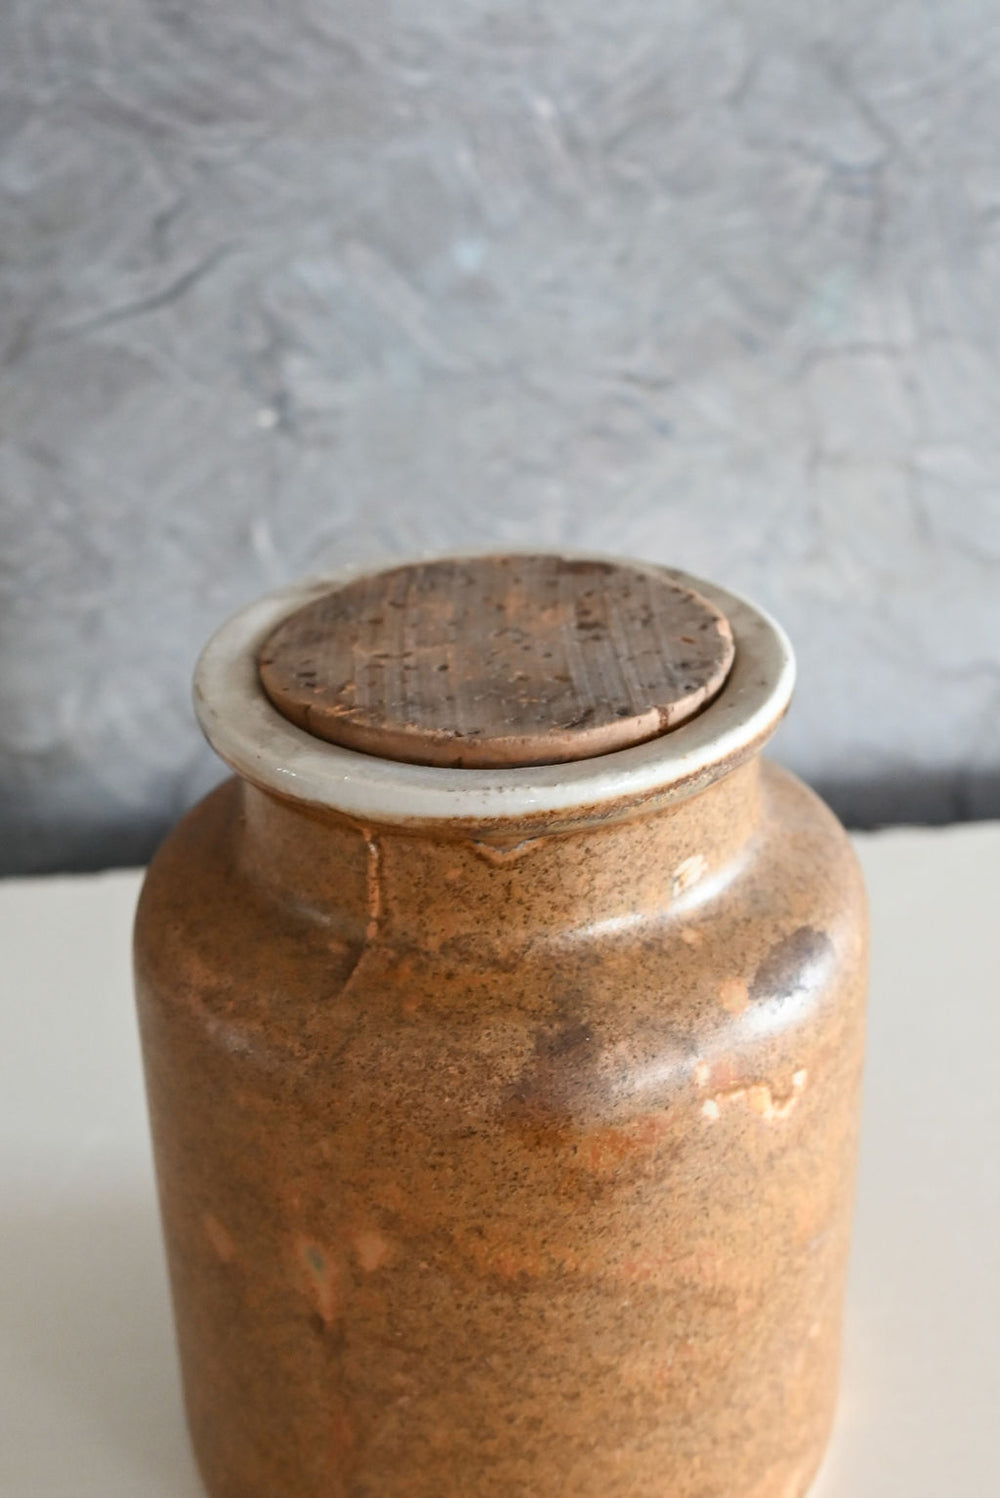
(557, 1083)
(792, 966)
(567, 1039)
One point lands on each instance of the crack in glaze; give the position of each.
(374, 884)
(498, 855)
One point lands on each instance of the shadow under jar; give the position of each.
(504, 1084)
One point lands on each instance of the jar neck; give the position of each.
(434, 884)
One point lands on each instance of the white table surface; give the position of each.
(89, 1399)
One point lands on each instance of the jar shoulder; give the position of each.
(799, 871)
(208, 935)
(804, 860)
(755, 979)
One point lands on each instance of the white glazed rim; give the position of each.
(249, 733)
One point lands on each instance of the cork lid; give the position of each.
(498, 661)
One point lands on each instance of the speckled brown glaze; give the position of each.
(497, 1163)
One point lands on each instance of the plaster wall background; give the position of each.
(285, 286)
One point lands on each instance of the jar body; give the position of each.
(507, 1168)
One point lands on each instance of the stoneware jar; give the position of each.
(503, 1023)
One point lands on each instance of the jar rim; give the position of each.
(265, 748)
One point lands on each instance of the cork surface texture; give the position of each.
(502, 660)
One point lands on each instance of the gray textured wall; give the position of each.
(286, 285)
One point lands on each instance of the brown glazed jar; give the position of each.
(505, 1114)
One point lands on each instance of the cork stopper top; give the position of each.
(498, 661)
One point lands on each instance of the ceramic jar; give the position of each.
(505, 1119)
